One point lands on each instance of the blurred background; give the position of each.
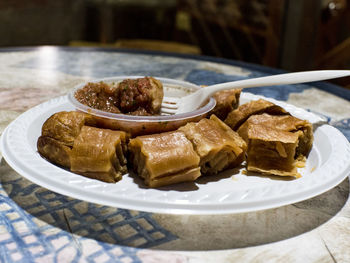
(292, 35)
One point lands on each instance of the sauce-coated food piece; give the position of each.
(140, 96)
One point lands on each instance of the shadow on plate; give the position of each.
(47, 210)
(181, 187)
(188, 186)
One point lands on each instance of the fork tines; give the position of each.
(169, 105)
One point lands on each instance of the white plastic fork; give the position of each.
(171, 105)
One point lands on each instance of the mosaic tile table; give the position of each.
(37, 225)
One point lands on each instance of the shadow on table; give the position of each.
(48, 211)
(216, 232)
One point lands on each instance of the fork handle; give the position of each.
(279, 79)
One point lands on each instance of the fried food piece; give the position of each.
(285, 123)
(67, 141)
(58, 134)
(99, 154)
(226, 101)
(217, 145)
(54, 151)
(65, 126)
(164, 158)
(238, 116)
(272, 151)
(277, 145)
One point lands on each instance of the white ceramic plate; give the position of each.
(231, 192)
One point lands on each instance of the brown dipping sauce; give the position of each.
(141, 96)
(99, 96)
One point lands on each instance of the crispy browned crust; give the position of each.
(287, 123)
(277, 145)
(226, 101)
(238, 116)
(99, 153)
(217, 145)
(96, 153)
(54, 151)
(164, 158)
(65, 126)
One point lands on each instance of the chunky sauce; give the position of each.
(99, 96)
(141, 96)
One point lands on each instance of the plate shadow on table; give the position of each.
(78, 219)
(45, 212)
(217, 232)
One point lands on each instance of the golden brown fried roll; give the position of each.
(238, 116)
(285, 123)
(276, 144)
(99, 154)
(226, 101)
(272, 151)
(217, 145)
(92, 152)
(164, 158)
(58, 134)
(54, 151)
(65, 126)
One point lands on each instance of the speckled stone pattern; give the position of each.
(37, 225)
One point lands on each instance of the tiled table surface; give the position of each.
(39, 225)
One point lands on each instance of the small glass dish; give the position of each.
(140, 125)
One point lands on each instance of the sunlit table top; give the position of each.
(37, 224)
